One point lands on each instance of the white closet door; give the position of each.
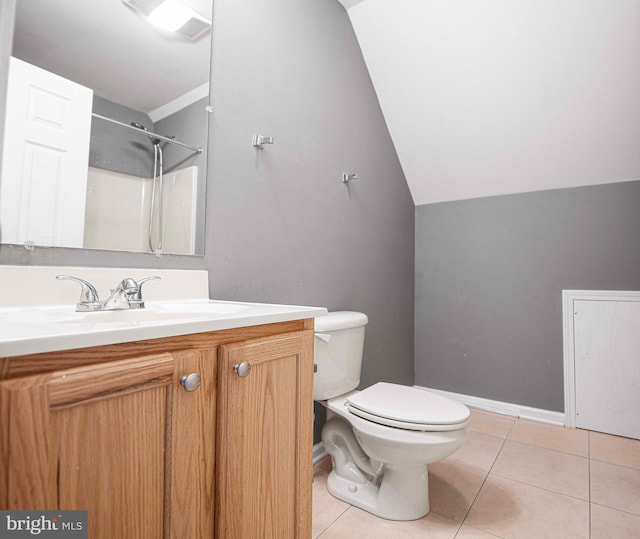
(45, 158)
(607, 366)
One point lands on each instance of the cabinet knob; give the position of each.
(242, 369)
(190, 382)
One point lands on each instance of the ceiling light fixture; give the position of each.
(172, 16)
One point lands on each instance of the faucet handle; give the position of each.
(152, 278)
(135, 299)
(88, 297)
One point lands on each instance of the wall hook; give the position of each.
(259, 140)
(348, 176)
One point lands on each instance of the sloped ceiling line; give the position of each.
(494, 97)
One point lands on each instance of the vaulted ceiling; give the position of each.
(490, 97)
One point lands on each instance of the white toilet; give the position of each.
(381, 438)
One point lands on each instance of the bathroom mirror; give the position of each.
(137, 178)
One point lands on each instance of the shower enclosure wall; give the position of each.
(128, 228)
(156, 199)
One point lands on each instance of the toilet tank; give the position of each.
(339, 342)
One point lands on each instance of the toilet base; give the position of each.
(403, 494)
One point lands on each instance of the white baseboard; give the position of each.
(319, 452)
(516, 410)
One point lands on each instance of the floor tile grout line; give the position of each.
(349, 506)
(479, 529)
(541, 488)
(625, 511)
(588, 500)
(587, 459)
(552, 449)
(457, 529)
(504, 440)
(334, 521)
(615, 464)
(588, 455)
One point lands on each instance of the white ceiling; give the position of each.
(106, 46)
(490, 97)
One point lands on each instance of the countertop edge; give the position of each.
(55, 343)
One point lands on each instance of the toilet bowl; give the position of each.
(382, 438)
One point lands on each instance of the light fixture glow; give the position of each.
(170, 15)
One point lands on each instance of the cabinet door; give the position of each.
(122, 440)
(265, 438)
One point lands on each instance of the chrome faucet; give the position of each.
(126, 295)
(135, 298)
(119, 298)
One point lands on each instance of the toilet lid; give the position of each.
(407, 407)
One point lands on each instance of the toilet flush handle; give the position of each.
(323, 336)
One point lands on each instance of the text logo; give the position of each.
(45, 524)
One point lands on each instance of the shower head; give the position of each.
(155, 141)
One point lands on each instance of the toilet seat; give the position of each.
(407, 408)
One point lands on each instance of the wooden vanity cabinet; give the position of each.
(119, 439)
(112, 430)
(265, 438)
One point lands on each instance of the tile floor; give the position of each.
(514, 479)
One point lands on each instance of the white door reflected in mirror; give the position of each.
(46, 150)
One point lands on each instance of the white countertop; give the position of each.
(47, 329)
(45, 325)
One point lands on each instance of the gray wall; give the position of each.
(489, 279)
(282, 227)
(189, 125)
(117, 148)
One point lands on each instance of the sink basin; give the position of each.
(157, 313)
(127, 317)
(202, 308)
(151, 314)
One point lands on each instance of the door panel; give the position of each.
(112, 456)
(123, 440)
(607, 366)
(45, 158)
